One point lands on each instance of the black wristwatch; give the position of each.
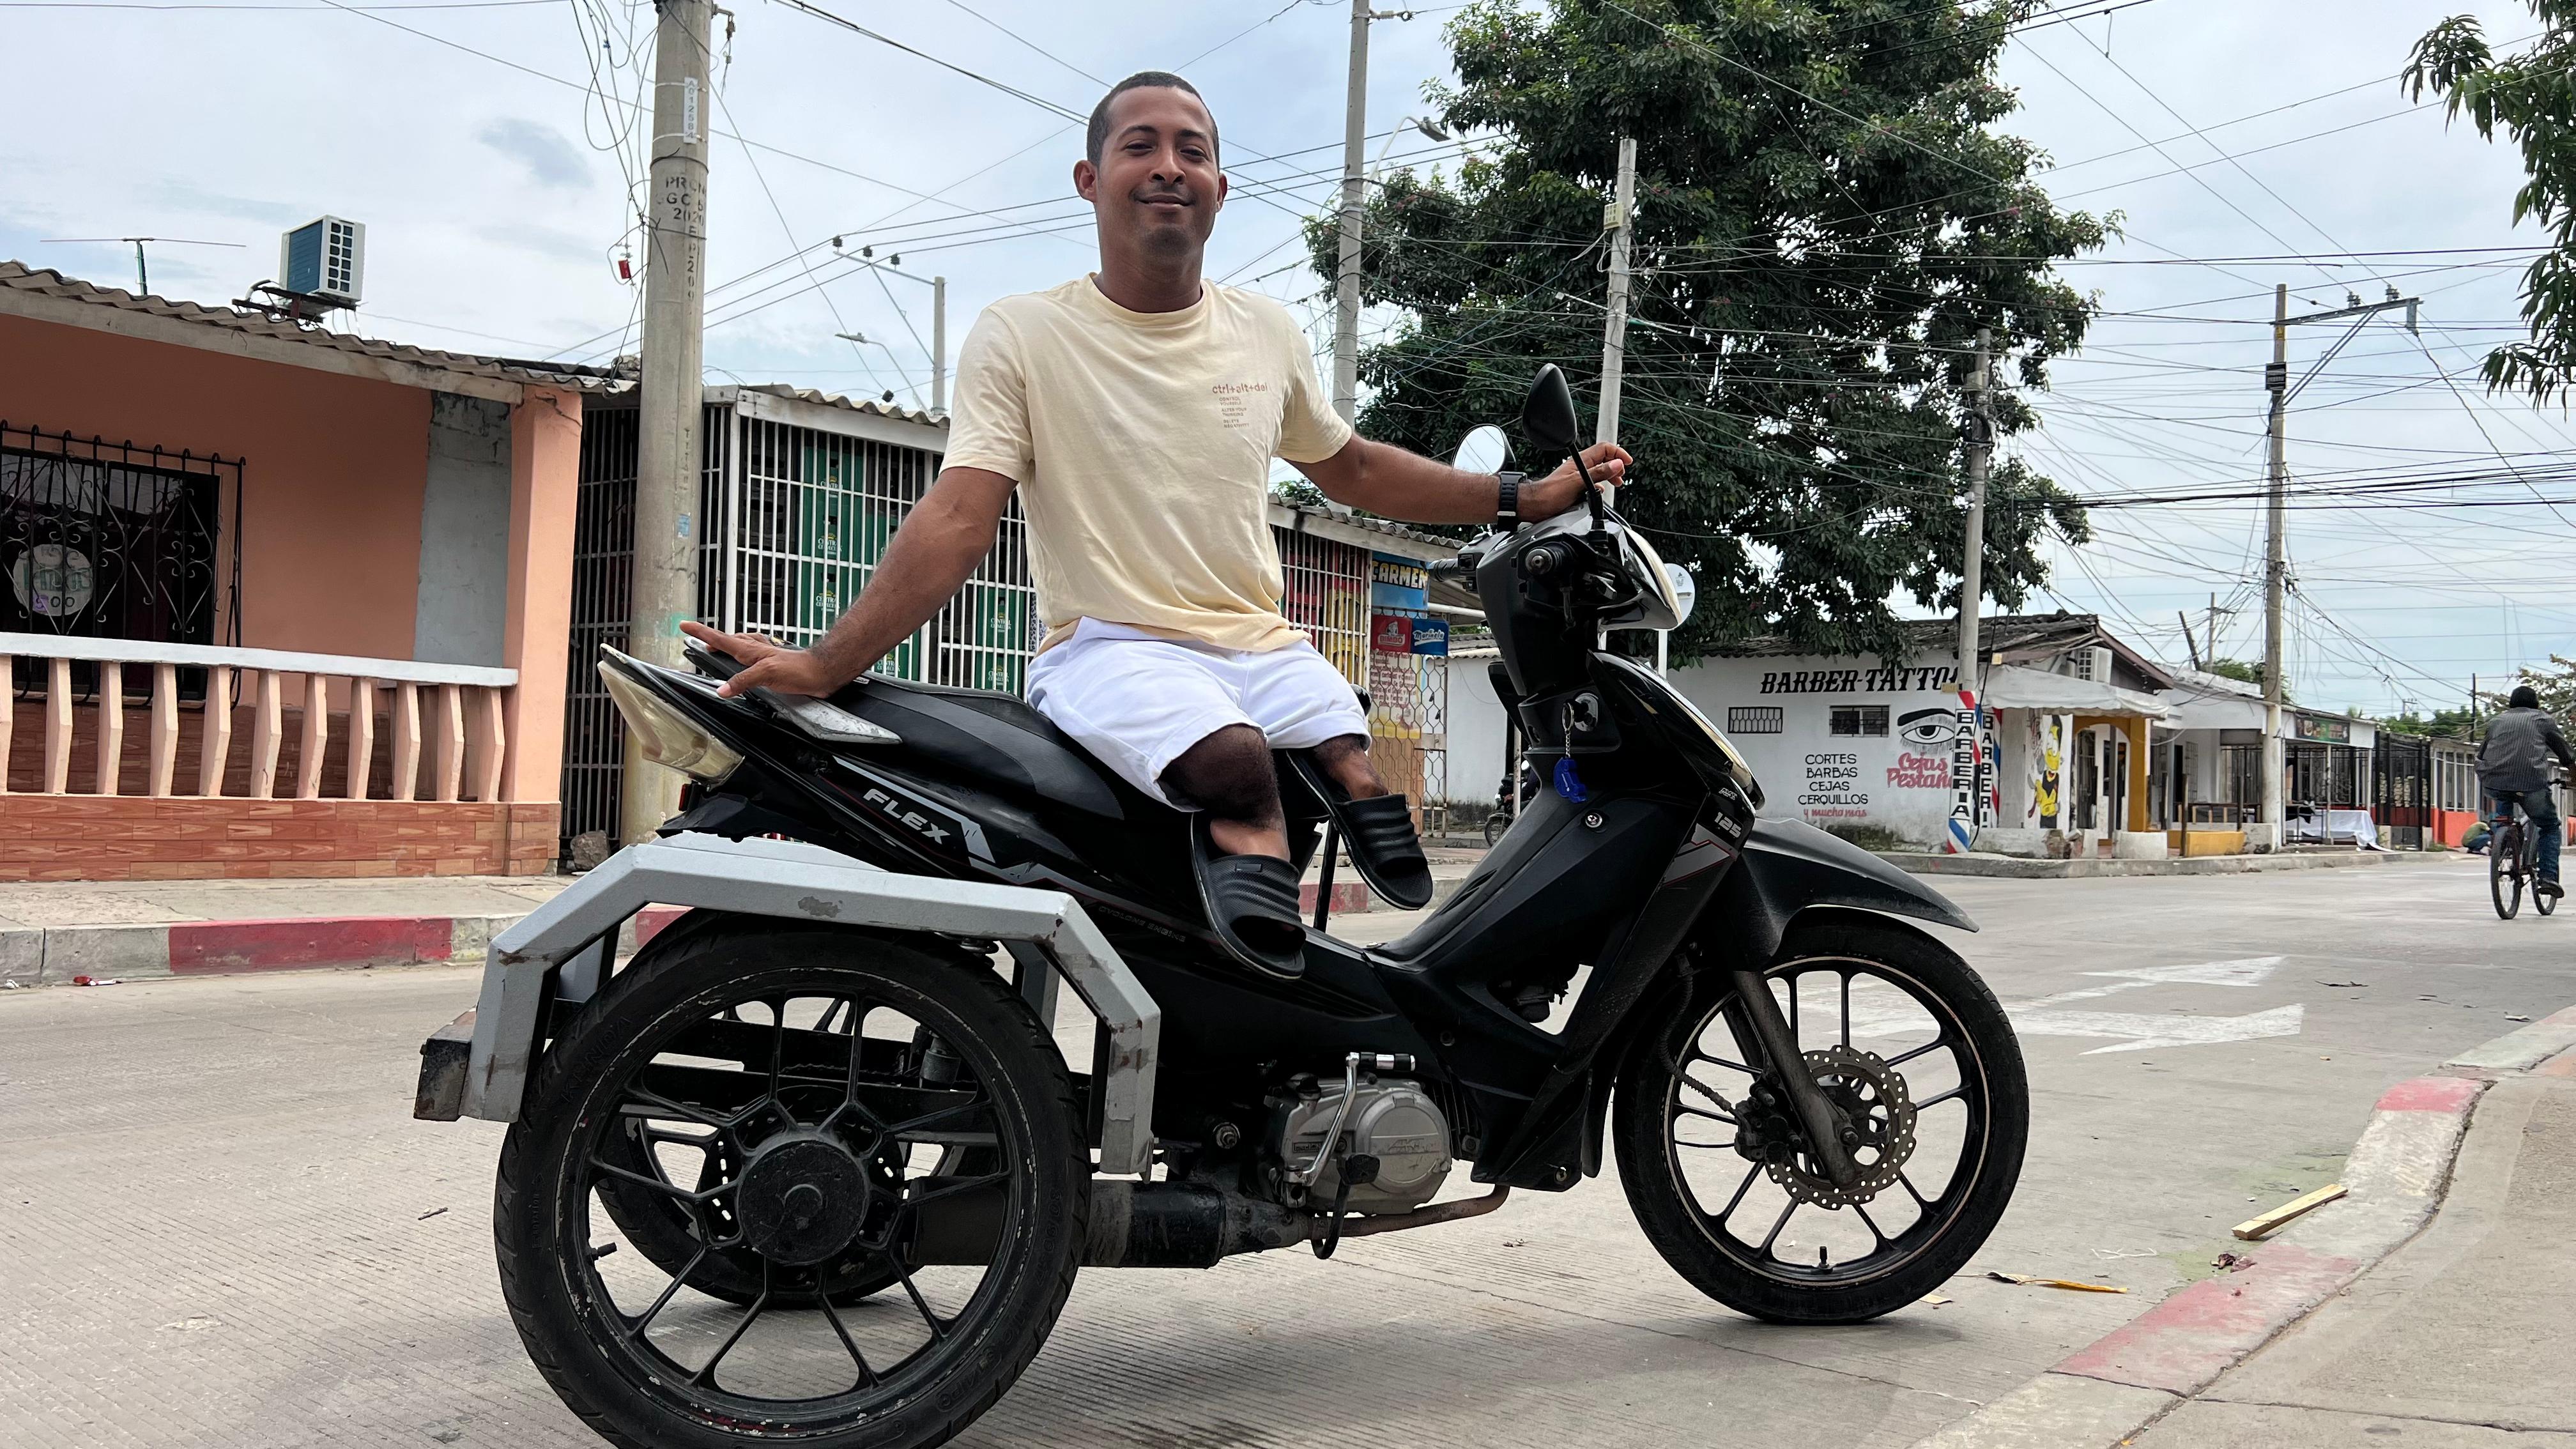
(1507, 501)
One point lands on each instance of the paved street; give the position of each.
(221, 1227)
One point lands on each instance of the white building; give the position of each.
(1857, 741)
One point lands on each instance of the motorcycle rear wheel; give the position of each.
(831, 1136)
(1686, 1094)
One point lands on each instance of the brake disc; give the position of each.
(1878, 1119)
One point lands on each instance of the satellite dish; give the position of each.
(1684, 591)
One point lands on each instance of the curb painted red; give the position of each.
(2431, 1094)
(2125, 1380)
(290, 942)
(2190, 1338)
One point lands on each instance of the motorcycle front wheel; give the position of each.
(788, 1066)
(1926, 1077)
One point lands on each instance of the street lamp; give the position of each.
(1424, 124)
(938, 317)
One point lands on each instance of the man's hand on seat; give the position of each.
(766, 665)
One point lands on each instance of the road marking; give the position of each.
(1882, 1011)
(2145, 1030)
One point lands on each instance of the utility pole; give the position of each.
(2188, 642)
(1619, 219)
(670, 395)
(1966, 749)
(2276, 566)
(1346, 279)
(939, 344)
(2275, 562)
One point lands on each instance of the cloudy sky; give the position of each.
(491, 149)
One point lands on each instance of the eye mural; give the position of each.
(1928, 728)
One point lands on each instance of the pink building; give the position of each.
(271, 594)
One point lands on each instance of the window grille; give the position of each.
(1858, 719)
(1755, 719)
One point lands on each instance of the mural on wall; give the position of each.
(2048, 747)
(1928, 736)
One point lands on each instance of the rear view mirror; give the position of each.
(1483, 450)
(1548, 414)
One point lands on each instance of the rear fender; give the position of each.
(561, 952)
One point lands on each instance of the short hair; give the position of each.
(2524, 697)
(1097, 136)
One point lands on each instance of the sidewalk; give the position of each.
(2465, 1336)
(2428, 1306)
(54, 932)
(2018, 867)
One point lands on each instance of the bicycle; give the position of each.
(1499, 819)
(2511, 852)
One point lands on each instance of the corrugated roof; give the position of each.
(854, 404)
(45, 282)
(2020, 638)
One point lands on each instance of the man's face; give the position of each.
(1157, 184)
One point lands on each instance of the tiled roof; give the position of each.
(41, 281)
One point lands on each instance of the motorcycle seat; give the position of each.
(994, 737)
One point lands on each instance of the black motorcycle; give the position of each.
(785, 1180)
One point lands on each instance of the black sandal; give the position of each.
(1251, 900)
(1384, 847)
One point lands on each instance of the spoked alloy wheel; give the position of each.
(1927, 1082)
(2504, 869)
(793, 1113)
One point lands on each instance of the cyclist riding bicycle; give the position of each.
(2513, 767)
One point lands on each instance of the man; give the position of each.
(1137, 410)
(2513, 766)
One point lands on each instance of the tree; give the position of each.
(2459, 723)
(1825, 219)
(2554, 682)
(2527, 96)
(2242, 671)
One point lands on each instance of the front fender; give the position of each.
(1790, 866)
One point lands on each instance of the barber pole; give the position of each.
(1963, 776)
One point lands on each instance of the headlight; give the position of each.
(1646, 567)
(668, 736)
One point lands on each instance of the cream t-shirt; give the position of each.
(1142, 442)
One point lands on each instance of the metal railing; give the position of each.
(443, 724)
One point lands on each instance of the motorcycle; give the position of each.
(809, 1167)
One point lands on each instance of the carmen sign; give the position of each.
(2326, 728)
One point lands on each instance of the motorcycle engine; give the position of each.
(1393, 1121)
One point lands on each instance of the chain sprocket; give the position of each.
(1878, 1119)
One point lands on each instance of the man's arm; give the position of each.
(2557, 742)
(939, 544)
(1392, 483)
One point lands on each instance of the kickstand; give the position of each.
(1351, 1170)
(1324, 887)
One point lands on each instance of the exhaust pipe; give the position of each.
(1168, 1225)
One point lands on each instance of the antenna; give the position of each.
(142, 274)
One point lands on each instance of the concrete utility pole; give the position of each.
(669, 398)
(1619, 219)
(2276, 563)
(939, 344)
(2276, 567)
(1966, 748)
(1346, 279)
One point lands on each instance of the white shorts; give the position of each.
(1137, 702)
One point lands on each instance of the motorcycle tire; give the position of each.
(576, 1333)
(1651, 1163)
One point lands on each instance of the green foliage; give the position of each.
(2555, 683)
(2242, 672)
(2528, 96)
(1812, 275)
(2456, 724)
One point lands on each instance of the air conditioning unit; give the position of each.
(2093, 664)
(325, 258)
